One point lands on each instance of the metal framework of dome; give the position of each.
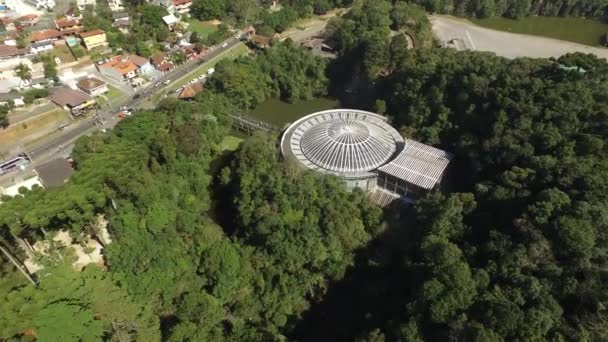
(344, 142)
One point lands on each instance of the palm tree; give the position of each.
(23, 72)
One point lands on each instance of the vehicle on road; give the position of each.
(136, 96)
(210, 71)
(224, 45)
(167, 82)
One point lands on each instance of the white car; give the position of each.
(224, 45)
(167, 82)
(210, 71)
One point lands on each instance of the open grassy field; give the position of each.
(578, 30)
(203, 28)
(230, 143)
(112, 95)
(32, 129)
(279, 113)
(63, 53)
(238, 50)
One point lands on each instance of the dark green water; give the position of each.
(279, 113)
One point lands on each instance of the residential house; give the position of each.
(166, 4)
(162, 62)
(189, 92)
(12, 98)
(92, 86)
(10, 52)
(261, 42)
(73, 13)
(120, 16)
(119, 69)
(184, 39)
(68, 26)
(189, 51)
(28, 20)
(182, 6)
(75, 102)
(144, 67)
(11, 39)
(41, 4)
(39, 82)
(43, 46)
(166, 67)
(171, 21)
(9, 23)
(122, 25)
(82, 4)
(44, 36)
(93, 39)
(317, 45)
(116, 5)
(249, 32)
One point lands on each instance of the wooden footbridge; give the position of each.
(249, 125)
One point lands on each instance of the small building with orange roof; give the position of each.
(45, 36)
(119, 69)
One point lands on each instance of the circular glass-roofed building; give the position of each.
(347, 143)
(365, 151)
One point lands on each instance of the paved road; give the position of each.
(510, 45)
(48, 149)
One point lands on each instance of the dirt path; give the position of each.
(466, 35)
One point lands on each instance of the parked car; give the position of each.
(167, 82)
(224, 45)
(136, 96)
(210, 71)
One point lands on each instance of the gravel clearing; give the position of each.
(465, 35)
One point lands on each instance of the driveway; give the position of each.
(466, 35)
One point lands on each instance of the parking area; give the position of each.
(464, 35)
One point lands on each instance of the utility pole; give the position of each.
(18, 265)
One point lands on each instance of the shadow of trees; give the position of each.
(373, 294)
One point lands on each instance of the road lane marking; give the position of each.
(470, 39)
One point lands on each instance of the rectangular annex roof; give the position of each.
(418, 164)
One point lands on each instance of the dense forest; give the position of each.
(212, 245)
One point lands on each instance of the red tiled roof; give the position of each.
(68, 96)
(261, 40)
(180, 2)
(90, 83)
(10, 50)
(44, 35)
(165, 67)
(158, 58)
(122, 66)
(92, 33)
(65, 22)
(27, 17)
(191, 90)
(137, 60)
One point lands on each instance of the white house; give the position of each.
(92, 86)
(116, 5)
(42, 46)
(83, 3)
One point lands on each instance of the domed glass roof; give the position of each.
(345, 142)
